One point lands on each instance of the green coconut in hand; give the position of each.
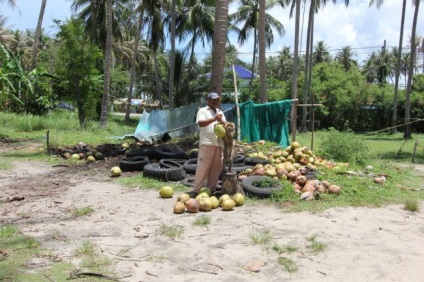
(219, 130)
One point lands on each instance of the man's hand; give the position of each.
(218, 118)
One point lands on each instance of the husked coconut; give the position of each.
(334, 189)
(192, 205)
(179, 207)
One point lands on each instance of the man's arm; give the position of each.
(206, 122)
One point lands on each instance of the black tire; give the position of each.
(165, 174)
(238, 167)
(169, 152)
(141, 151)
(238, 159)
(261, 192)
(255, 161)
(311, 175)
(194, 153)
(134, 163)
(168, 163)
(190, 166)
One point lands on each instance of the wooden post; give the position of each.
(415, 151)
(237, 105)
(48, 142)
(229, 183)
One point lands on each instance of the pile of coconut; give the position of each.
(296, 164)
(203, 202)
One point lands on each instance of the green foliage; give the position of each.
(266, 181)
(81, 81)
(344, 147)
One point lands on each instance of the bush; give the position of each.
(344, 147)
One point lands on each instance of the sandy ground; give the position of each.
(363, 244)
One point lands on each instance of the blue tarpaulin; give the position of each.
(240, 71)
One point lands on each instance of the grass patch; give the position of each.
(202, 221)
(172, 231)
(141, 182)
(412, 205)
(288, 264)
(82, 211)
(263, 237)
(284, 249)
(20, 250)
(315, 246)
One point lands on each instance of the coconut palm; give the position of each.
(11, 3)
(154, 16)
(293, 112)
(107, 65)
(133, 62)
(345, 57)
(218, 47)
(93, 13)
(285, 63)
(38, 34)
(247, 15)
(407, 132)
(321, 53)
(262, 58)
(195, 22)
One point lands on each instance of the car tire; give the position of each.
(169, 152)
(255, 161)
(261, 192)
(168, 163)
(190, 166)
(154, 171)
(134, 163)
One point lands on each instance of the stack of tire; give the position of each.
(168, 165)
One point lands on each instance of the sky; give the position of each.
(361, 27)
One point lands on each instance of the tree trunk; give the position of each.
(397, 70)
(107, 65)
(308, 59)
(93, 9)
(38, 34)
(255, 48)
(407, 133)
(172, 58)
(293, 113)
(158, 81)
(133, 63)
(262, 58)
(218, 45)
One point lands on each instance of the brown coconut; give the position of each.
(334, 189)
(192, 205)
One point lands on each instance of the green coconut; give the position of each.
(219, 130)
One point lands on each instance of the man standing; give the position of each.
(209, 159)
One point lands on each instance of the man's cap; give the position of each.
(213, 95)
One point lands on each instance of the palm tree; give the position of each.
(172, 57)
(38, 34)
(398, 62)
(218, 45)
(262, 58)
(107, 65)
(93, 13)
(195, 21)
(11, 3)
(321, 53)
(285, 63)
(154, 11)
(293, 113)
(407, 132)
(248, 15)
(133, 62)
(345, 58)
